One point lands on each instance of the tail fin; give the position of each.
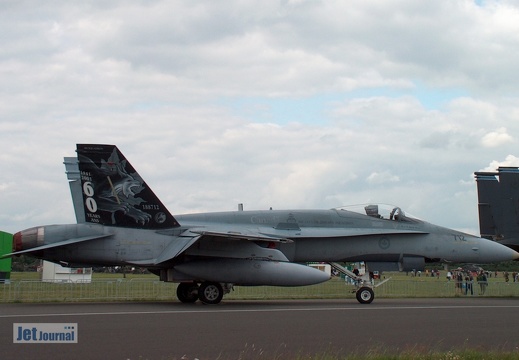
(74, 177)
(107, 190)
(498, 204)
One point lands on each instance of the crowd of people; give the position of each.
(464, 281)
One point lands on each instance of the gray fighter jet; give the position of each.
(122, 222)
(498, 204)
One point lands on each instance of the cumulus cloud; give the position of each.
(382, 177)
(510, 160)
(496, 138)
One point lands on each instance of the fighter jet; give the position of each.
(120, 221)
(498, 205)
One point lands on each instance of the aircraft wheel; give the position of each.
(365, 295)
(210, 292)
(187, 292)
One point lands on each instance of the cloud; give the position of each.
(510, 161)
(290, 104)
(381, 178)
(437, 140)
(496, 138)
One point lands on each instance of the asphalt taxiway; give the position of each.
(265, 329)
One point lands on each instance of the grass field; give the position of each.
(27, 287)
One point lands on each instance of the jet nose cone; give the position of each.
(511, 253)
(492, 251)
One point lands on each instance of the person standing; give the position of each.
(459, 282)
(469, 280)
(483, 282)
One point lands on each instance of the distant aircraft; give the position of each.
(498, 204)
(122, 222)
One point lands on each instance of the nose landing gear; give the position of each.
(365, 295)
(364, 288)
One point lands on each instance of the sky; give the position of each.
(295, 104)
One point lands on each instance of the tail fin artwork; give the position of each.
(498, 204)
(107, 190)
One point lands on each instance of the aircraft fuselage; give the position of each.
(316, 236)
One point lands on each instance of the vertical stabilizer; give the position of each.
(498, 203)
(114, 194)
(488, 192)
(74, 178)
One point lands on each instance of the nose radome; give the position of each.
(513, 255)
(498, 252)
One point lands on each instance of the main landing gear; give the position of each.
(208, 292)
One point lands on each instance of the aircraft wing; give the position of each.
(171, 251)
(224, 241)
(242, 235)
(315, 232)
(288, 236)
(191, 236)
(57, 244)
(221, 234)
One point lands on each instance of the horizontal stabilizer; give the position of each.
(58, 244)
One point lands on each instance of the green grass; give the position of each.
(33, 275)
(27, 287)
(102, 276)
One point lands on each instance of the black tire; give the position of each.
(187, 292)
(210, 293)
(365, 295)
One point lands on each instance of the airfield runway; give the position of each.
(265, 329)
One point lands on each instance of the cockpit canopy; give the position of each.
(380, 211)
